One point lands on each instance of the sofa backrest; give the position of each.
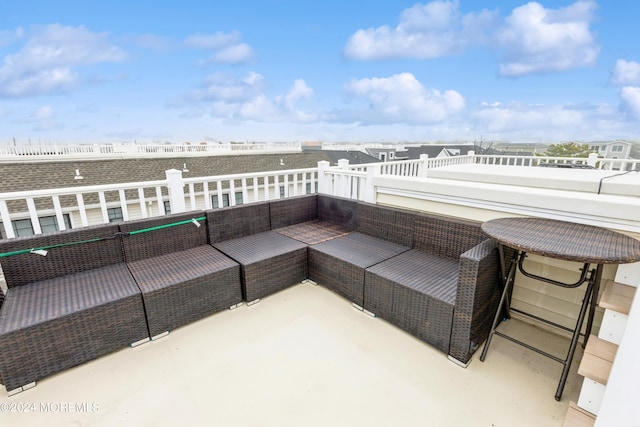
(74, 251)
(162, 235)
(391, 224)
(237, 221)
(444, 236)
(337, 210)
(292, 210)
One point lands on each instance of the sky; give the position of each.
(332, 71)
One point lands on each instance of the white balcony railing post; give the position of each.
(423, 165)
(593, 159)
(344, 181)
(176, 190)
(324, 180)
(369, 193)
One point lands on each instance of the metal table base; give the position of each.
(591, 277)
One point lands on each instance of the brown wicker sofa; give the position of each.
(435, 277)
(75, 304)
(181, 276)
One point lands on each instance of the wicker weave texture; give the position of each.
(293, 210)
(162, 241)
(338, 210)
(477, 297)
(62, 322)
(415, 291)
(339, 263)
(446, 237)
(564, 240)
(27, 268)
(393, 225)
(185, 286)
(313, 232)
(269, 260)
(237, 221)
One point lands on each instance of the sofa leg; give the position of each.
(309, 281)
(234, 306)
(357, 307)
(140, 342)
(160, 335)
(458, 362)
(255, 301)
(21, 389)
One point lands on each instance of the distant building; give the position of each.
(612, 149)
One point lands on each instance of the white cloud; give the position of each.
(401, 98)
(538, 40)
(625, 73)
(43, 118)
(236, 54)
(227, 47)
(546, 123)
(48, 61)
(425, 31)
(217, 40)
(244, 97)
(631, 100)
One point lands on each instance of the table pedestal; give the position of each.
(592, 278)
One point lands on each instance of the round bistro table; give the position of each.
(562, 240)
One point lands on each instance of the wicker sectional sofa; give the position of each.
(102, 288)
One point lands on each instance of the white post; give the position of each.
(324, 181)
(369, 194)
(593, 159)
(422, 168)
(6, 220)
(175, 185)
(344, 181)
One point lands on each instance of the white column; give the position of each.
(176, 190)
(369, 194)
(422, 169)
(324, 181)
(593, 159)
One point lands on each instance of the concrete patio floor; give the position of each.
(302, 357)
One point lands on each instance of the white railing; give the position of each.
(28, 152)
(81, 206)
(592, 161)
(92, 205)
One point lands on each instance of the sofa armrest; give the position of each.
(477, 299)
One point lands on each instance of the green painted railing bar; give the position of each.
(173, 224)
(143, 230)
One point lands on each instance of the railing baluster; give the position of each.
(161, 209)
(58, 210)
(192, 196)
(103, 207)
(123, 205)
(33, 214)
(206, 195)
(6, 220)
(83, 212)
(143, 204)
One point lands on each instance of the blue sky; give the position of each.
(331, 71)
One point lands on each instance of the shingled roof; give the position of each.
(60, 174)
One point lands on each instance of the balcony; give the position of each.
(360, 370)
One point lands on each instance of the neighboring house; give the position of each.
(520, 149)
(43, 174)
(612, 149)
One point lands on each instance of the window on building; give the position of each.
(49, 224)
(239, 199)
(282, 195)
(383, 157)
(22, 227)
(391, 155)
(115, 214)
(616, 148)
(307, 190)
(225, 200)
(167, 207)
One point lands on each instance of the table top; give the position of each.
(564, 240)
